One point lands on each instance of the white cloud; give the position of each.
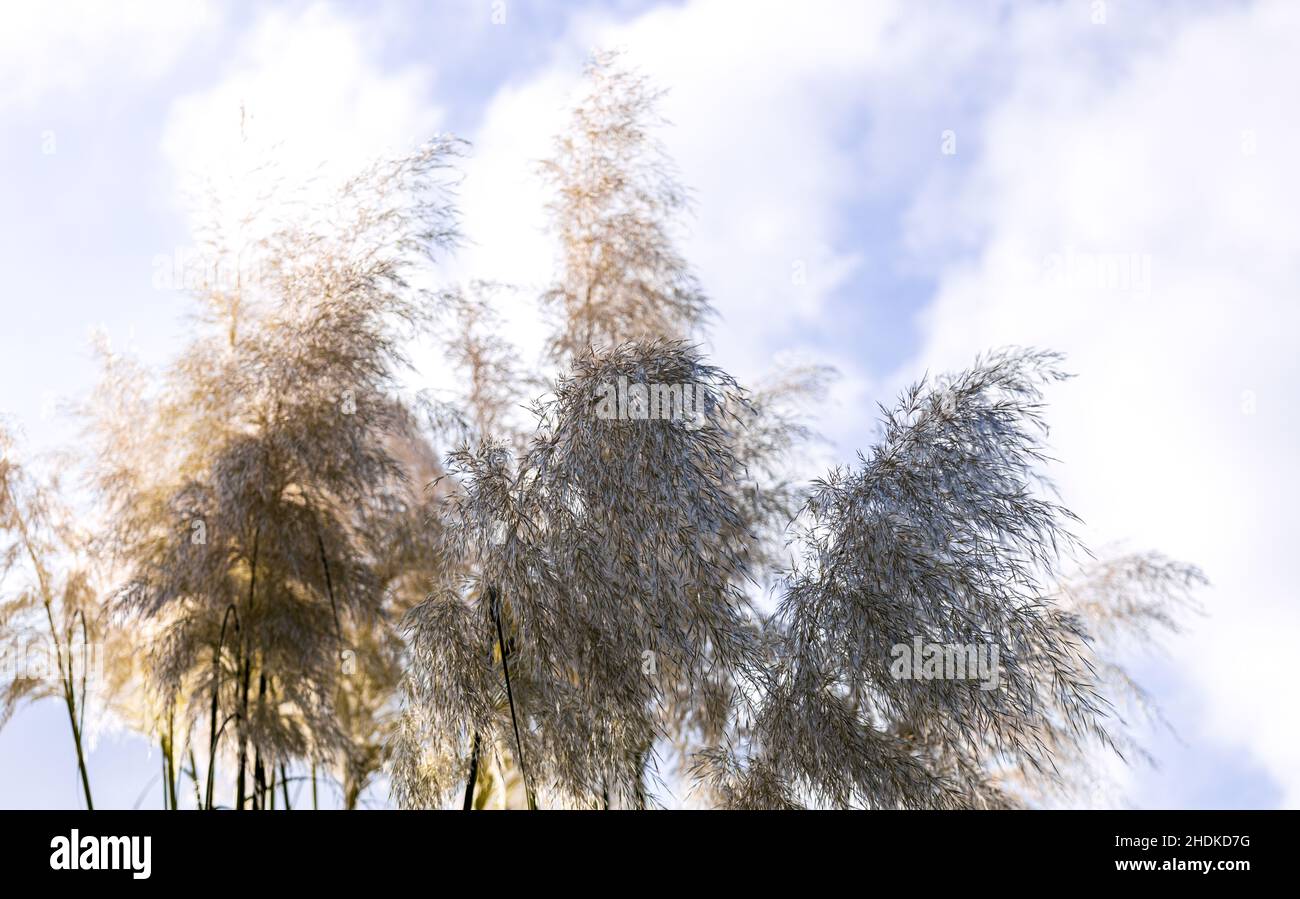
(81, 44)
(502, 200)
(1178, 433)
(309, 87)
(754, 96)
(783, 121)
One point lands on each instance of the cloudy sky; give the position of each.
(888, 187)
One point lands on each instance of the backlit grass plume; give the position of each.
(261, 524)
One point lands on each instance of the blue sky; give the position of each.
(815, 137)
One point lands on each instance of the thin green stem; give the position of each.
(246, 675)
(494, 604)
(214, 735)
(473, 776)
